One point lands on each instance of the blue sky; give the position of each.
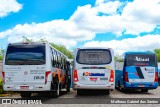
(124, 25)
(41, 11)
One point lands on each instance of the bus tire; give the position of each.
(25, 94)
(57, 92)
(144, 90)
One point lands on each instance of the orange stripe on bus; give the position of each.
(59, 75)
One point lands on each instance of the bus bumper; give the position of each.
(27, 87)
(81, 86)
(146, 85)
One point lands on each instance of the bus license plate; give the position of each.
(93, 79)
(24, 87)
(140, 85)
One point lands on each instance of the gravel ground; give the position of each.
(113, 94)
(93, 96)
(82, 105)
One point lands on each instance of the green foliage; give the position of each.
(25, 39)
(157, 52)
(1, 86)
(118, 58)
(1, 57)
(63, 49)
(115, 57)
(1, 54)
(43, 40)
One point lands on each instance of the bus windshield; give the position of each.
(94, 56)
(25, 55)
(141, 60)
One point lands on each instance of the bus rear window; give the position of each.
(94, 56)
(25, 55)
(141, 60)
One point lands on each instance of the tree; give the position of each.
(157, 52)
(1, 57)
(43, 40)
(25, 39)
(1, 53)
(115, 57)
(63, 49)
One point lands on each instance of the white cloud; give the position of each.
(144, 43)
(87, 18)
(99, 2)
(57, 31)
(108, 7)
(147, 11)
(136, 17)
(8, 6)
(87, 21)
(139, 16)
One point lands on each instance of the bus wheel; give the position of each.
(144, 90)
(25, 94)
(79, 92)
(56, 93)
(107, 92)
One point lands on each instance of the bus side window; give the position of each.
(64, 63)
(51, 56)
(58, 61)
(61, 61)
(53, 59)
(68, 66)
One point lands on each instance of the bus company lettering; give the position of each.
(38, 77)
(37, 71)
(150, 70)
(141, 59)
(93, 74)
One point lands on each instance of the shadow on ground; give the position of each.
(134, 91)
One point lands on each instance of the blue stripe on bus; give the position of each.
(97, 74)
(145, 85)
(132, 73)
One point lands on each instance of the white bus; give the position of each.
(35, 68)
(93, 68)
